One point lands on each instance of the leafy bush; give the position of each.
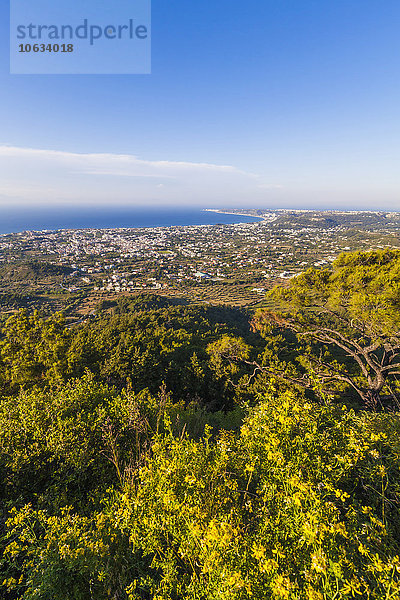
(302, 503)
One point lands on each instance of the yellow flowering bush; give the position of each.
(294, 507)
(302, 503)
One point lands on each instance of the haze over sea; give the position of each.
(27, 219)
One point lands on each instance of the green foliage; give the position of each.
(33, 348)
(302, 504)
(66, 446)
(142, 343)
(66, 557)
(51, 444)
(226, 354)
(352, 309)
(31, 270)
(125, 473)
(362, 287)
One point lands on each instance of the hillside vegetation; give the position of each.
(165, 451)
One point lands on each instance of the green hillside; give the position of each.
(162, 450)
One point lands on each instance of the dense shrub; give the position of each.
(302, 503)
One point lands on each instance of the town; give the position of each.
(74, 270)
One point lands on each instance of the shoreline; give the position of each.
(227, 212)
(109, 223)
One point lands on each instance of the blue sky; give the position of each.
(275, 103)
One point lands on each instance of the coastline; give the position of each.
(228, 212)
(17, 221)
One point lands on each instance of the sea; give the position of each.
(39, 219)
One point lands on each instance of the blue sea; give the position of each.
(24, 219)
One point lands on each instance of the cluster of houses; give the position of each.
(124, 260)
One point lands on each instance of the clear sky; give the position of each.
(274, 103)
